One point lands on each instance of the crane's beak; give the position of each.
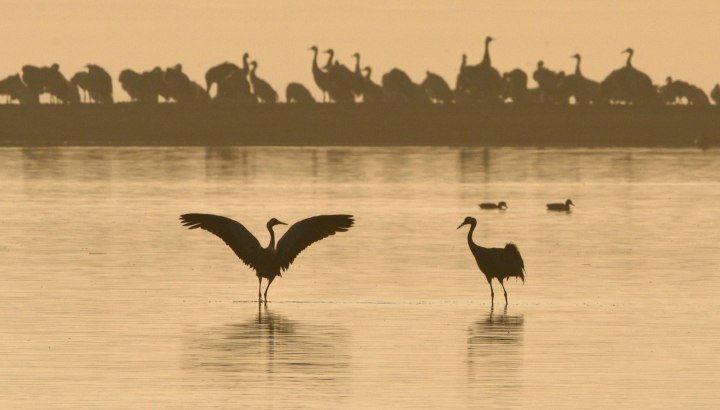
(462, 224)
(281, 223)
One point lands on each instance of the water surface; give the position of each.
(107, 302)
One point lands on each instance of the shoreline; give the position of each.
(129, 124)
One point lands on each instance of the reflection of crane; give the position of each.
(498, 263)
(267, 262)
(560, 207)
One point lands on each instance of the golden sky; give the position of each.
(677, 38)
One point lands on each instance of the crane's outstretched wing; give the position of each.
(303, 233)
(236, 236)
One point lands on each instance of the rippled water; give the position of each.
(107, 302)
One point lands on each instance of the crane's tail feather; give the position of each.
(516, 260)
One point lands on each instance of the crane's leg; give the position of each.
(268, 287)
(501, 284)
(259, 289)
(492, 292)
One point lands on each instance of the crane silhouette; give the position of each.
(267, 262)
(262, 89)
(628, 84)
(498, 263)
(560, 207)
(436, 88)
(583, 89)
(372, 93)
(491, 205)
(297, 93)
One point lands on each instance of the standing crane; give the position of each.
(262, 89)
(267, 262)
(498, 263)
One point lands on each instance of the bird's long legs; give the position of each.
(259, 289)
(503, 286)
(492, 292)
(268, 287)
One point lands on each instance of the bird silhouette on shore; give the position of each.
(491, 205)
(560, 207)
(268, 262)
(498, 263)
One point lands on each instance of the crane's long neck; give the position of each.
(315, 64)
(246, 69)
(470, 234)
(272, 238)
(630, 54)
(331, 54)
(369, 71)
(357, 64)
(486, 57)
(577, 66)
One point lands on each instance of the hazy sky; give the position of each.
(670, 37)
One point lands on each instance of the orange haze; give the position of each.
(677, 38)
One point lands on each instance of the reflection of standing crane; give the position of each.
(498, 263)
(267, 262)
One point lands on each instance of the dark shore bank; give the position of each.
(128, 124)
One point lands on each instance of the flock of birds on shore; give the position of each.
(271, 261)
(480, 83)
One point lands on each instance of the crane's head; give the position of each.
(356, 55)
(488, 39)
(569, 202)
(575, 56)
(254, 64)
(329, 51)
(628, 50)
(468, 221)
(245, 56)
(313, 48)
(502, 204)
(274, 222)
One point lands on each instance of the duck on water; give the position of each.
(491, 205)
(560, 207)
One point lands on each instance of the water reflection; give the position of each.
(474, 162)
(271, 348)
(494, 357)
(228, 163)
(42, 163)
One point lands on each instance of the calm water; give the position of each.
(107, 302)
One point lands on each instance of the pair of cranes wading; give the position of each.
(268, 262)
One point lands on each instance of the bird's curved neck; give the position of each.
(331, 54)
(629, 62)
(252, 70)
(577, 66)
(470, 234)
(315, 64)
(245, 63)
(486, 57)
(357, 63)
(272, 238)
(464, 62)
(369, 71)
